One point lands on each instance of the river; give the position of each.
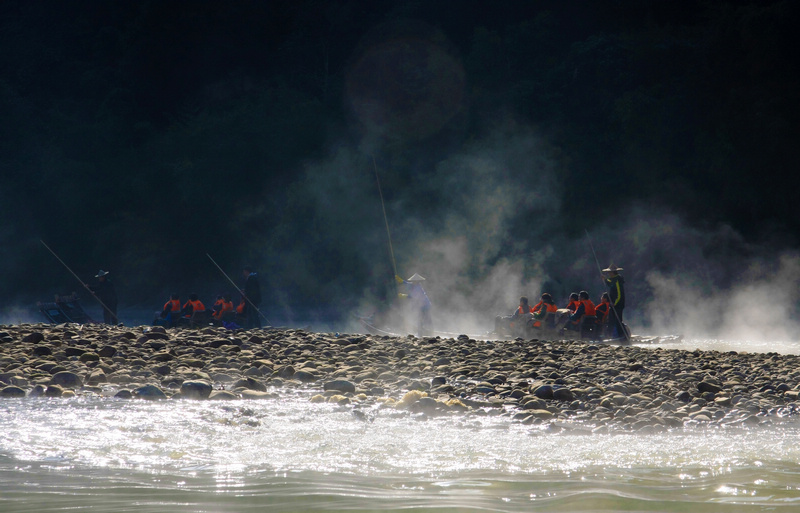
(95, 453)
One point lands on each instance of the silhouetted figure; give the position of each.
(252, 296)
(104, 291)
(616, 292)
(419, 305)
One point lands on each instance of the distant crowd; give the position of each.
(580, 314)
(222, 313)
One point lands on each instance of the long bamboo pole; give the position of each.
(240, 290)
(385, 218)
(82, 282)
(624, 334)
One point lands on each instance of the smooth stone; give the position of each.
(54, 391)
(224, 395)
(107, 351)
(37, 391)
(195, 389)
(563, 394)
(34, 337)
(541, 414)
(250, 384)
(705, 386)
(97, 376)
(340, 385)
(255, 394)
(12, 391)
(304, 376)
(150, 392)
(66, 379)
(544, 392)
(89, 357)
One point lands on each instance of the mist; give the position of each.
(512, 144)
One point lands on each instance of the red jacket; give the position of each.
(196, 306)
(225, 307)
(601, 311)
(550, 308)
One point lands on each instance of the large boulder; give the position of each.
(544, 392)
(34, 337)
(563, 394)
(340, 385)
(66, 379)
(250, 384)
(225, 395)
(12, 391)
(107, 351)
(304, 376)
(150, 392)
(195, 389)
(706, 386)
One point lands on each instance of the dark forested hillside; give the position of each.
(140, 136)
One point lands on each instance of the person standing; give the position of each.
(419, 305)
(616, 293)
(104, 291)
(252, 296)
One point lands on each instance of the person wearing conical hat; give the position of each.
(616, 293)
(419, 305)
(104, 291)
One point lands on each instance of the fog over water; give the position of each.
(486, 199)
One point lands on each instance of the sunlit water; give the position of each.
(100, 454)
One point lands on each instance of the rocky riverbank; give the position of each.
(559, 385)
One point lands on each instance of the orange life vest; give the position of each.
(588, 307)
(602, 312)
(173, 305)
(240, 307)
(573, 305)
(226, 306)
(521, 311)
(550, 308)
(197, 306)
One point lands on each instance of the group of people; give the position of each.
(580, 313)
(174, 313)
(223, 313)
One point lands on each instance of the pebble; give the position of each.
(568, 386)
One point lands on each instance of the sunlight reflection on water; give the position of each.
(197, 456)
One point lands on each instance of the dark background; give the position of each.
(139, 137)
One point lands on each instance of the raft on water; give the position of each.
(540, 334)
(65, 309)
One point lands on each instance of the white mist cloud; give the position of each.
(759, 305)
(19, 315)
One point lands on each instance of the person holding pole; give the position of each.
(616, 292)
(252, 295)
(105, 293)
(419, 306)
